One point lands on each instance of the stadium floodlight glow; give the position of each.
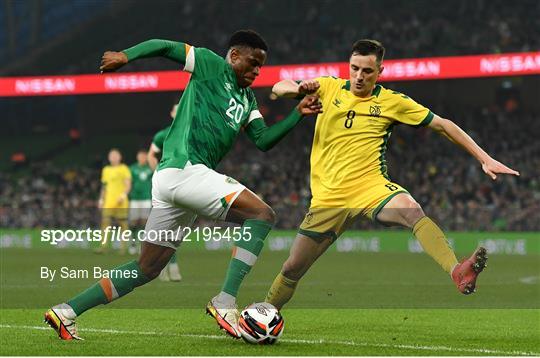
(430, 68)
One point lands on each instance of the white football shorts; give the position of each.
(180, 195)
(139, 209)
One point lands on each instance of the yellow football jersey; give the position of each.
(114, 181)
(350, 139)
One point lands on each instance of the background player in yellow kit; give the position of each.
(113, 198)
(349, 174)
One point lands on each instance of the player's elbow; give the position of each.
(440, 124)
(264, 147)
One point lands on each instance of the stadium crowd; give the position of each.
(411, 29)
(308, 31)
(446, 181)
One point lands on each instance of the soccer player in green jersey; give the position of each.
(140, 196)
(156, 147)
(171, 272)
(215, 106)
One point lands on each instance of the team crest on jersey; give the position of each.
(228, 86)
(375, 111)
(230, 180)
(336, 102)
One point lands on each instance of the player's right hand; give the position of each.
(309, 105)
(308, 87)
(111, 61)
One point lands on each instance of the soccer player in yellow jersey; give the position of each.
(349, 174)
(113, 199)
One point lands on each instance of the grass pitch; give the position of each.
(348, 304)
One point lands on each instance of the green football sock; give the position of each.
(173, 259)
(245, 254)
(109, 289)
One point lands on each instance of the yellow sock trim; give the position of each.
(281, 291)
(434, 243)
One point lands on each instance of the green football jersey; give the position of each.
(141, 182)
(211, 112)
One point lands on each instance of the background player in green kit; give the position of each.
(140, 196)
(171, 272)
(156, 147)
(215, 106)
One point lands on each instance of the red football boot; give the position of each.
(467, 271)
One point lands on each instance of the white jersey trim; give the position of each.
(190, 60)
(254, 115)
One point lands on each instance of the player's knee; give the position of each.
(267, 214)
(412, 213)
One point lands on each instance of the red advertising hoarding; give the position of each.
(511, 64)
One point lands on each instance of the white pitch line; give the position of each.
(530, 280)
(299, 341)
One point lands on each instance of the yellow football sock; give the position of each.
(434, 243)
(281, 291)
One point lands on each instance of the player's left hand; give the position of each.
(493, 167)
(111, 61)
(309, 105)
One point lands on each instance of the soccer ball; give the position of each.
(261, 323)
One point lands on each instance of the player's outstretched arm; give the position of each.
(266, 137)
(291, 89)
(112, 60)
(457, 135)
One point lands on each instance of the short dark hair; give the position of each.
(366, 47)
(248, 38)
